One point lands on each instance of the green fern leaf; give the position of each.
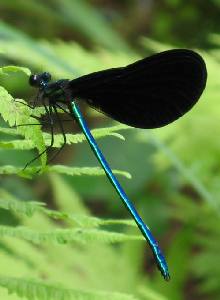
(74, 171)
(62, 236)
(14, 69)
(90, 222)
(29, 208)
(38, 290)
(9, 131)
(79, 138)
(14, 113)
(17, 144)
(21, 207)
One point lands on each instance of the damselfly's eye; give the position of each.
(39, 80)
(34, 80)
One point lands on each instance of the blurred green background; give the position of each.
(175, 170)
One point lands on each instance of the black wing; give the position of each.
(149, 93)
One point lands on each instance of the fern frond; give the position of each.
(14, 113)
(91, 171)
(29, 144)
(21, 207)
(6, 70)
(17, 144)
(33, 289)
(27, 173)
(80, 137)
(29, 208)
(9, 131)
(62, 236)
(101, 132)
(85, 221)
(72, 171)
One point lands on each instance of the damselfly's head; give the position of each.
(39, 80)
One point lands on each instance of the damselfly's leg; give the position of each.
(24, 103)
(64, 110)
(62, 131)
(34, 103)
(29, 124)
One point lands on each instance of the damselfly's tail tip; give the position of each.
(166, 276)
(162, 266)
(165, 272)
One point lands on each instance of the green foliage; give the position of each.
(190, 147)
(78, 228)
(15, 113)
(192, 15)
(60, 238)
(32, 289)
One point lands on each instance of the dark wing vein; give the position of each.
(149, 93)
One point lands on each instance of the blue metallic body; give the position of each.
(54, 92)
(161, 263)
